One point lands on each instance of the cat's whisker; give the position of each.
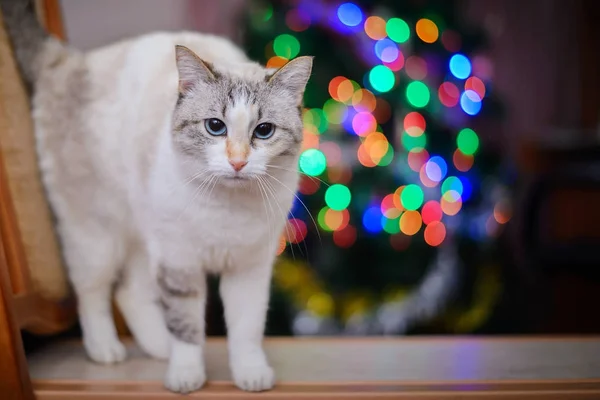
(263, 194)
(188, 180)
(201, 187)
(283, 215)
(301, 202)
(213, 186)
(272, 189)
(299, 172)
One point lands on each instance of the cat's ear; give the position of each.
(191, 69)
(293, 76)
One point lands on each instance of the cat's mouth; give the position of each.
(237, 178)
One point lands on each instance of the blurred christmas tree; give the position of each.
(398, 206)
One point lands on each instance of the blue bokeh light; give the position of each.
(298, 210)
(350, 14)
(372, 219)
(347, 122)
(460, 66)
(434, 173)
(386, 50)
(453, 183)
(467, 188)
(470, 102)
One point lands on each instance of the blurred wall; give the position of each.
(93, 23)
(534, 50)
(536, 56)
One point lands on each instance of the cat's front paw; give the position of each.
(105, 351)
(184, 378)
(253, 378)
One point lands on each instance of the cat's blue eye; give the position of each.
(264, 130)
(215, 126)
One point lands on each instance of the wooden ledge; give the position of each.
(67, 390)
(406, 368)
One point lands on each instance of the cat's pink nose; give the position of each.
(238, 165)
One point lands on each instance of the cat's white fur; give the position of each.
(125, 202)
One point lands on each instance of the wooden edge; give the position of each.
(10, 236)
(14, 375)
(41, 316)
(51, 17)
(332, 340)
(546, 390)
(44, 317)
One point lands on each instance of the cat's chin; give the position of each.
(236, 181)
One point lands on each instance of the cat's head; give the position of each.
(238, 122)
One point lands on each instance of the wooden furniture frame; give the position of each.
(21, 307)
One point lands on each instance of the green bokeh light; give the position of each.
(312, 162)
(467, 141)
(413, 143)
(337, 197)
(321, 219)
(391, 225)
(317, 118)
(417, 94)
(382, 78)
(387, 158)
(452, 183)
(335, 112)
(268, 13)
(397, 30)
(411, 197)
(286, 46)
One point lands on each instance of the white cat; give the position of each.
(162, 166)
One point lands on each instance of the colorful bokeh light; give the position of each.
(416, 68)
(417, 158)
(365, 112)
(460, 66)
(336, 220)
(276, 62)
(375, 27)
(372, 219)
(286, 46)
(397, 30)
(346, 237)
(337, 197)
(412, 143)
(386, 50)
(431, 212)
(470, 102)
(410, 222)
(414, 124)
(412, 197)
(390, 225)
(417, 94)
(448, 94)
(435, 233)
(467, 141)
(462, 162)
(295, 230)
(452, 184)
(427, 30)
(298, 20)
(475, 84)
(436, 168)
(350, 14)
(312, 162)
(382, 78)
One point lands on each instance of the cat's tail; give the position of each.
(32, 45)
